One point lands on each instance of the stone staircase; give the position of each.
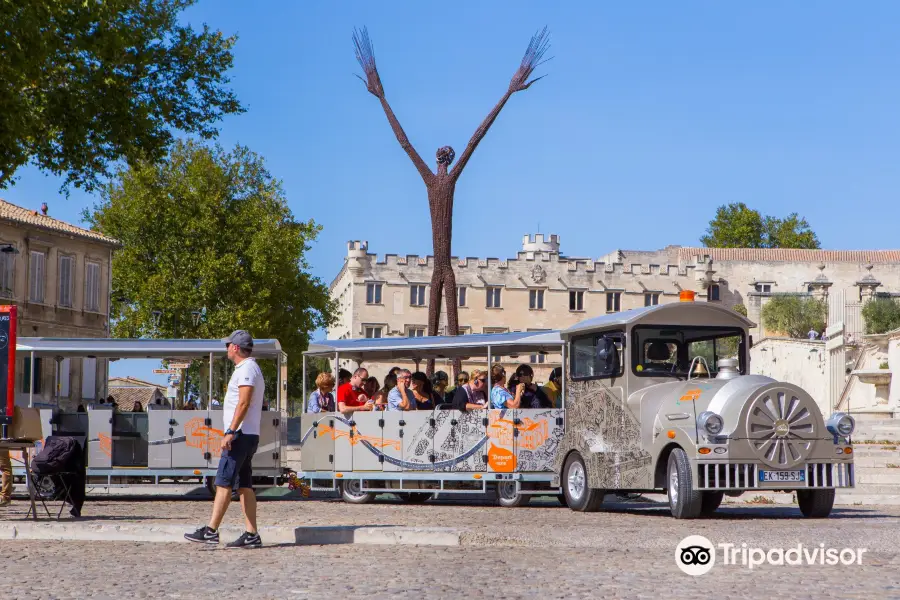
(877, 459)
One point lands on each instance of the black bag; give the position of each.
(57, 455)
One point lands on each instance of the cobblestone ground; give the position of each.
(627, 551)
(126, 570)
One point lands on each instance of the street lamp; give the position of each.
(9, 249)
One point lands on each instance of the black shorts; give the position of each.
(235, 470)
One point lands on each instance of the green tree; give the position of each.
(738, 226)
(210, 229)
(794, 316)
(740, 309)
(84, 83)
(881, 315)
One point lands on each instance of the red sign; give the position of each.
(7, 367)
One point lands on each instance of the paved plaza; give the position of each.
(544, 550)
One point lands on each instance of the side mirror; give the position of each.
(607, 358)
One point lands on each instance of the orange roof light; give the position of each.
(686, 296)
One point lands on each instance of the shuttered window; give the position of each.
(36, 272)
(7, 274)
(92, 287)
(66, 270)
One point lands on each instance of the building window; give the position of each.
(651, 299)
(462, 330)
(31, 379)
(66, 269)
(712, 293)
(576, 300)
(613, 301)
(495, 329)
(461, 296)
(537, 359)
(493, 297)
(92, 286)
(417, 295)
(373, 332)
(536, 299)
(373, 293)
(36, 272)
(764, 288)
(414, 332)
(7, 274)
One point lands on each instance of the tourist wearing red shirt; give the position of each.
(351, 396)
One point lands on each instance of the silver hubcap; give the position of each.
(781, 427)
(354, 488)
(673, 484)
(576, 481)
(508, 491)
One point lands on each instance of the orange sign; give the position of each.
(199, 435)
(105, 444)
(501, 460)
(690, 395)
(376, 442)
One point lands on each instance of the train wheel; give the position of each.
(415, 497)
(684, 501)
(815, 504)
(710, 502)
(579, 496)
(507, 496)
(351, 491)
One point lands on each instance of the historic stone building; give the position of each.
(58, 275)
(543, 289)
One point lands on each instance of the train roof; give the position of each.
(136, 348)
(422, 348)
(673, 313)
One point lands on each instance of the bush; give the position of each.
(881, 315)
(740, 309)
(794, 316)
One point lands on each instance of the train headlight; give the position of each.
(710, 422)
(840, 424)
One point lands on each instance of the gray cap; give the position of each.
(241, 339)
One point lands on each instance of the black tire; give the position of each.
(562, 499)
(415, 497)
(507, 496)
(579, 497)
(710, 502)
(351, 493)
(815, 504)
(684, 501)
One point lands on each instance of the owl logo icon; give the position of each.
(4, 340)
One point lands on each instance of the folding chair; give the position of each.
(51, 488)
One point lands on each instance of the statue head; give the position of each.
(445, 156)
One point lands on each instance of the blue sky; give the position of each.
(651, 115)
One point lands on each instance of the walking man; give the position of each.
(242, 413)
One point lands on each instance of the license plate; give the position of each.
(782, 476)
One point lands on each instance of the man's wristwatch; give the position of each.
(229, 432)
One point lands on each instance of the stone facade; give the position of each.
(58, 275)
(541, 288)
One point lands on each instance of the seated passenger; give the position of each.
(532, 395)
(421, 389)
(371, 386)
(343, 377)
(552, 389)
(500, 396)
(322, 398)
(439, 382)
(351, 396)
(472, 395)
(401, 397)
(137, 407)
(658, 357)
(381, 396)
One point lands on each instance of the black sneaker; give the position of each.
(247, 540)
(204, 535)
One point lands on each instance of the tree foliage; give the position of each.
(740, 309)
(794, 316)
(881, 315)
(209, 229)
(84, 83)
(737, 226)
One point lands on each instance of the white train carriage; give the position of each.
(415, 454)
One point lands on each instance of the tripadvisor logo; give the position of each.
(696, 555)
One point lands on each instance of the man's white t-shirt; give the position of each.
(245, 373)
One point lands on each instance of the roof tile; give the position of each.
(792, 255)
(17, 214)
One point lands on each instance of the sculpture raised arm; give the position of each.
(540, 43)
(366, 58)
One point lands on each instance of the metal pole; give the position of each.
(562, 379)
(490, 384)
(303, 397)
(209, 390)
(31, 383)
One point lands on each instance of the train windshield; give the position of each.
(660, 351)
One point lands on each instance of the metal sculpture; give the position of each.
(442, 185)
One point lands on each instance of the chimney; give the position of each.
(44, 208)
